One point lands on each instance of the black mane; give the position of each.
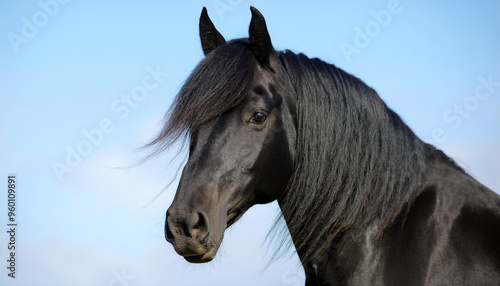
(216, 85)
(357, 156)
(360, 160)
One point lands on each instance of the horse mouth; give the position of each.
(209, 255)
(198, 258)
(203, 258)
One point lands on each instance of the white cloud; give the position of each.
(109, 175)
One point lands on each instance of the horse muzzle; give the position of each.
(189, 232)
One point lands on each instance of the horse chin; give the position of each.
(197, 251)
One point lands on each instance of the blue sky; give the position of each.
(67, 73)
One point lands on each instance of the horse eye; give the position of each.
(258, 118)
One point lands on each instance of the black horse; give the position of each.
(365, 200)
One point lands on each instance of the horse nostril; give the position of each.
(200, 222)
(200, 226)
(181, 225)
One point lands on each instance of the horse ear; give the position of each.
(210, 37)
(259, 37)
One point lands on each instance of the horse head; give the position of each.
(239, 114)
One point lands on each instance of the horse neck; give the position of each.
(357, 163)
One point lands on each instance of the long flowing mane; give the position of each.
(355, 155)
(216, 85)
(358, 158)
